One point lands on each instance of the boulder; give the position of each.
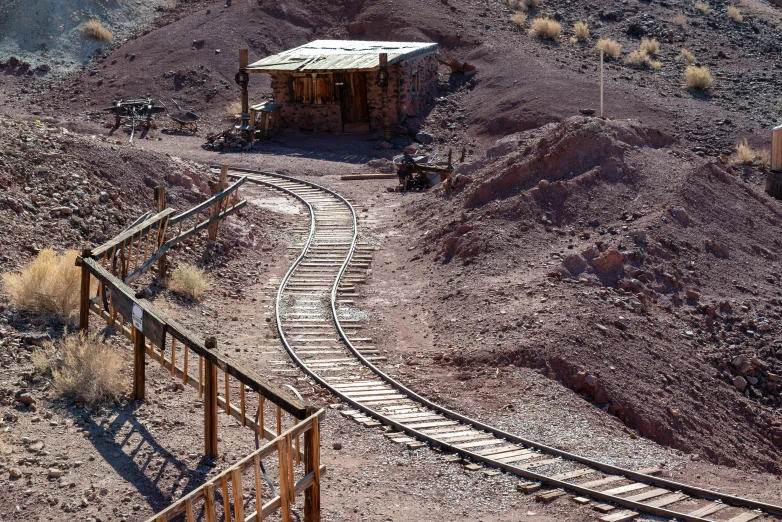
(609, 261)
(680, 215)
(740, 383)
(424, 137)
(575, 264)
(26, 399)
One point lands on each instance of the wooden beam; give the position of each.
(139, 365)
(216, 207)
(210, 404)
(84, 298)
(312, 465)
(122, 239)
(356, 177)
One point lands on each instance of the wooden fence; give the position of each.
(198, 363)
(202, 503)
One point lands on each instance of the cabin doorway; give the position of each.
(352, 89)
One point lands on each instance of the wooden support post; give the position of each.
(160, 199)
(226, 498)
(283, 446)
(312, 465)
(262, 126)
(383, 78)
(209, 502)
(279, 421)
(227, 395)
(84, 300)
(601, 82)
(258, 492)
(244, 61)
(236, 487)
(216, 207)
(210, 403)
(139, 364)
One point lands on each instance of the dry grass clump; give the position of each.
(697, 77)
(745, 153)
(234, 109)
(86, 367)
(545, 28)
(687, 56)
(95, 30)
(49, 285)
(581, 29)
(734, 14)
(519, 18)
(702, 7)
(641, 59)
(680, 21)
(525, 5)
(610, 47)
(190, 280)
(650, 47)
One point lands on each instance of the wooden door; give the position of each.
(353, 101)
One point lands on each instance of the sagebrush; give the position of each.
(525, 5)
(680, 21)
(50, 285)
(702, 7)
(735, 14)
(95, 30)
(190, 280)
(545, 28)
(745, 152)
(87, 367)
(698, 78)
(610, 47)
(641, 59)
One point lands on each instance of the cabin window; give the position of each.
(414, 86)
(312, 88)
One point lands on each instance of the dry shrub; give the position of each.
(545, 28)
(525, 5)
(519, 18)
(680, 21)
(702, 7)
(734, 14)
(87, 367)
(745, 153)
(610, 47)
(650, 47)
(764, 159)
(49, 285)
(582, 30)
(233, 109)
(698, 78)
(687, 56)
(190, 280)
(94, 29)
(640, 60)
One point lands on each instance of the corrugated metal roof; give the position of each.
(334, 55)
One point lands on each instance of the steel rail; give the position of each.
(615, 470)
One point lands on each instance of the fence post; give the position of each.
(210, 403)
(160, 199)
(216, 207)
(312, 465)
(139, 365)
(84, 301)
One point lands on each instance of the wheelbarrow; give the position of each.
(187, 121)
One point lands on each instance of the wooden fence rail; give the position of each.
(230, 484)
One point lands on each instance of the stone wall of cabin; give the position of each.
(402, 100)
(304, 116)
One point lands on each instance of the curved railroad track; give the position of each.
(328, 347)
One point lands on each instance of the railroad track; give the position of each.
(320, 334)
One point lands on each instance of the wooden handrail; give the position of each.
(208, 203)
(156, 324)
(130, 232)
(251, 461)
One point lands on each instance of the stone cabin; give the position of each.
(337, 85)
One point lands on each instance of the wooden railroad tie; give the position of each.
(549, 496)
(528, 487)
(621, 516)
(603, 508)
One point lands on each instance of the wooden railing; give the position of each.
(222, 498)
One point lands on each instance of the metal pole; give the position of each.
(601, 83)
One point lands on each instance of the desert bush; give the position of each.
(49, 285)
(42, 358)
(764, 159)
(525, 5)
(734, 14)
(610, 47)
(745, 153)
(581, 29)
(650, 47)
(641, 59)
(86, 367)
(519, 18)
(545, 28)
(95, 30)
(687, 56)
(680, 21)
(698, 78)
(190, 280)
(702, 7)
(233, 109)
